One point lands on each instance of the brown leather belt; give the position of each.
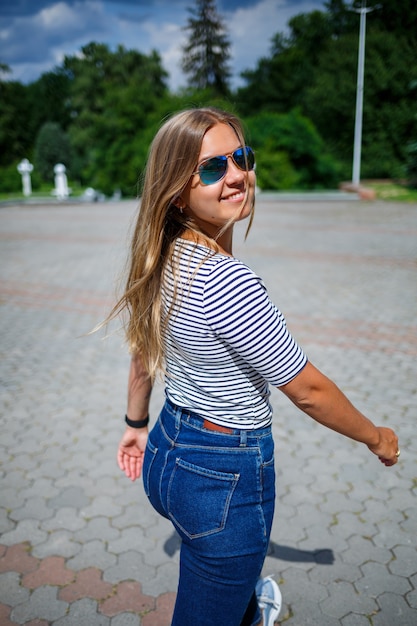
(217, 428)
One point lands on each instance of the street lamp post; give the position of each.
(359, 96)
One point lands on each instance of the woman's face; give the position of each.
(213, 205)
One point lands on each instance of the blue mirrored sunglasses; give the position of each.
(214, 169)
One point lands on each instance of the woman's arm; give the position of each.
(133, 443)
(321, 399)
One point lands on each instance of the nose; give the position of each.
(233, 172)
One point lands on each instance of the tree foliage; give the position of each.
(111, 97)
(52, 147)
(15, 140)
(289, 152)
(206, 54)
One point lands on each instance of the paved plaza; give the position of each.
(79, 543)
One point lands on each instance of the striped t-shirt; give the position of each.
(226, 342)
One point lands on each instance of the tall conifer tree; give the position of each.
(207, 52)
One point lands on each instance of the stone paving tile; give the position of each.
(97, 527)
(343, 599)
(125, 619)
(17, 558)
(404, 560)
(131, 517)
(43, 603)
(376, 580)
(66, 518)
(298, 592)
(129, 565)
(70, 497)
(92, 554)
(11, 591)
(131, 539)
(394, 610)
(83, 613)
(165, 579)
(163, 613)
(34, 508)
(101, 507)
(51, 571)
(88, 584)
(128, 597)
(361, 549)
(60, 543)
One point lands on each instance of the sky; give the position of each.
(35, 35)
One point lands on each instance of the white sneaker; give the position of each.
(269, 599)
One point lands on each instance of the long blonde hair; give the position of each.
(172, 159)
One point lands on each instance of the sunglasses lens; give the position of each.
(244, 158)
(213, 170)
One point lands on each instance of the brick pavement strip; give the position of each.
(58, 587)
(79, 544)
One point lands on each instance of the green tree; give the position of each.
(48, 101)
(207, 52)
(15, 139)
(112, 95)
(52, 147)
(290, 153)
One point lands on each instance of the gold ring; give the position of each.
(397, 454)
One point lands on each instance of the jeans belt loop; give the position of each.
(243, 438)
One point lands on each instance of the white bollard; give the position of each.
(25, 168)
(61, 190)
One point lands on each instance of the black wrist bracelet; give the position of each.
(137, 423)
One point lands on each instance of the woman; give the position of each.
(204, 319)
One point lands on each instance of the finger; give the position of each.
(120, 460)
(388, 462)
(134, 467)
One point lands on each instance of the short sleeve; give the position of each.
(238, 309)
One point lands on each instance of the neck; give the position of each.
(224, 243)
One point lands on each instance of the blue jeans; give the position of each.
(218, 490)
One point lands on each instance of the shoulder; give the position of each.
(229, 272)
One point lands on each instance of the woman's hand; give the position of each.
(131, 451)
(387, 448)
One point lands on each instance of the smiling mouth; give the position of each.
(233, 197)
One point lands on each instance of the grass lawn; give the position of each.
(388, 190)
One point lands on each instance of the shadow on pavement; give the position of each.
(322, 556)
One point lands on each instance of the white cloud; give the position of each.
(58, 17)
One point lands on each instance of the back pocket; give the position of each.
(199, 499)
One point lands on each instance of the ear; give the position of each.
(178, 202)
